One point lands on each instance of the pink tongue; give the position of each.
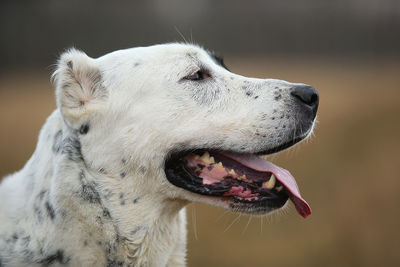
(283, 176)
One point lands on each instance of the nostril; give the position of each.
(313, 99)
(306, 94)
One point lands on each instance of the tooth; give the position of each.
(232, 172)
(206, 158)
(205, 155)
(219, 165)
(271, 182)
(213, 161)
(279, 188)
(243, 177)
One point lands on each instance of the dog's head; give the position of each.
(175, 121)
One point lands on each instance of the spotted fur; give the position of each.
(94, 192)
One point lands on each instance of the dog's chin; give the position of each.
(232, 180)
(229, 203)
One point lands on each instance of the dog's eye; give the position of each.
(197, 76)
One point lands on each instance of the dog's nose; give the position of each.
(307, 95)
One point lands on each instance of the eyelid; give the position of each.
(194, 69)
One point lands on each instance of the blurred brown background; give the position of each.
(349, 50)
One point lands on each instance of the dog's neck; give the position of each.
(116, 221)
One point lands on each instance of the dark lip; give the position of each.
(258, 207)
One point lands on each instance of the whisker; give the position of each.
(191, 36)
(183, 37)
(222, 215)
(235, 220)
(247, 224)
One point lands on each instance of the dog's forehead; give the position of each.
(178, 49)
(176, 52)
(179, 54)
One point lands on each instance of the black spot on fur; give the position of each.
(135, 200)
(256, 97)
(50, 210)
(41, 194)
(102, 170)
(121, 196)
(72, 147)
(88, 191)
(108, 193)
(123, 161)
(84, 128)
(15, 236)
(38, 213)
(37, 205)
(119, 239)
(57, 145)
(69, 64)
(113, 263)
(122, 174)
(106, 213)
(278, 97)
(90, 194)
(136, 64)
(142, 170)
(57, 257)
(85, 243)
(249, 93)
(136, 230)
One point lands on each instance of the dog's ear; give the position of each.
(79, 86)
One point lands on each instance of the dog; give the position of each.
(137, 135)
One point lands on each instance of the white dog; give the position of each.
(137, 135)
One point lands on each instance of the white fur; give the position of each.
(101, 198)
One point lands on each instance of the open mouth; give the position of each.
(244, 179)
